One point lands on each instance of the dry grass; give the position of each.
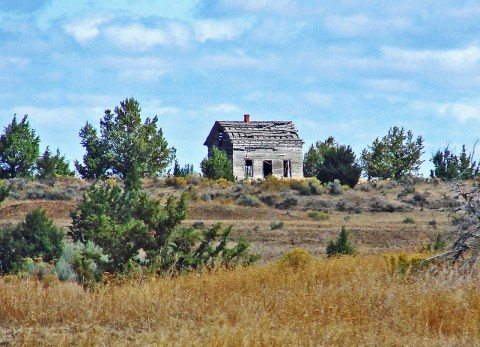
(346, 301)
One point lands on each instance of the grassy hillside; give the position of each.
(382, 216)
(346, 301)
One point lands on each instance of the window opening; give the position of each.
(287, 168)
(248, 168)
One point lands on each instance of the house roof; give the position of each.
(257, 134)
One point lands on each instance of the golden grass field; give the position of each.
(346, 301)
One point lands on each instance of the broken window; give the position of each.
(248, 168)
(287, 168)
(267, 168)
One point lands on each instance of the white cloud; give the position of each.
(360, 24)
(238, 59)
(219, 30)
(14, 61)
(141, 75)
(461, 111)
(224, 108)
(318, 99)
(390, 85)
(453, 59)
(285, 7)
(86, 29)
(138, 37)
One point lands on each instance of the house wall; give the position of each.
(277, 156)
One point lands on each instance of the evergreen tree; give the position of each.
(36, 237)
(125, 147)
(328, 161)
(217, 165)
(342, 246)
(19, 149)
(50, 165)
(393, 156)
(447, 165)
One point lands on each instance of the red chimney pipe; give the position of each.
(246, 118)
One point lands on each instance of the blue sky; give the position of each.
(347, 69)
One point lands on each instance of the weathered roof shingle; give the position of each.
(257, 133)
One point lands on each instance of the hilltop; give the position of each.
(278, 215)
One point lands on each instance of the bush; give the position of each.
(329, 161)
(217, 165)
(342, 246)
(287, 203)
(408, 220)
(248, 200)
(276, 224)
(36, 237)
(274, 183)
(317, 215)
(125, 223)
(206, 196)
(296, 259)
(334, 187)
(4, 191)
(310, 186)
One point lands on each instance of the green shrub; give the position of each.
(276, 224)
(408, 220)
(217, 165)
(296, 259)
(334, 187)
(4, 191)
(36, 237)
(206, 196)
(301, 186)
(310, 186)
(248, 200)
(342, 246)
(124, 223)
(318, 215)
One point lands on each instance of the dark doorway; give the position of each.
(267, 168)
(287, 168)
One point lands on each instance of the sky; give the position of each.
(347, 69)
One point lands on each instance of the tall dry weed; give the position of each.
(344, 301)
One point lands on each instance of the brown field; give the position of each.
(348, 301)
(373, 212)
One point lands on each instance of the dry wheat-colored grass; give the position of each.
(345, 301)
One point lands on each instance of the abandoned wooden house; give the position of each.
(259, 148)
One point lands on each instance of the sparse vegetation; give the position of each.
(318, 215)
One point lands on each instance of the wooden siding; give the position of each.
(272, 141)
